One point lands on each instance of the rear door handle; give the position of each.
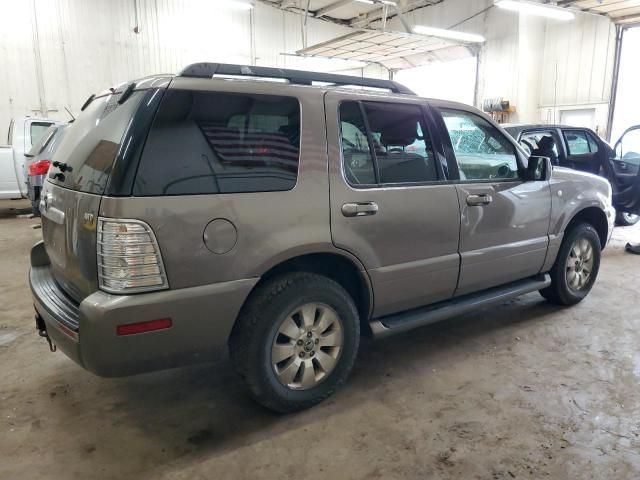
(359, 209)
(479, 200)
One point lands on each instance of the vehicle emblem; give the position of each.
(88, 218)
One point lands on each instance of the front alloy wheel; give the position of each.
(576, 266)
(580, 264)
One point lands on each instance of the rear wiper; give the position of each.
(89, 100)
(127, 93)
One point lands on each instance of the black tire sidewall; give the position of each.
(318, 290)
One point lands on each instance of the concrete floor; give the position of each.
(525, 390)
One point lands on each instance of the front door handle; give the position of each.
(479, 200)
(359, 209)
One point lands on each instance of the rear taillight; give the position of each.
(129, 259)
(41, 167)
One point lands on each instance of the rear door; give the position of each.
(505, 221)
(583, 151)
(392, 205)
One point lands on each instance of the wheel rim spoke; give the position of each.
(326, 319)
(331, 339)
(289, 329)
(288, 373)
(326, 362)
(282, 351)
(308, 314)
(307, 346)
(308, 375)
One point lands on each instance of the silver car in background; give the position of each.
(38, 161)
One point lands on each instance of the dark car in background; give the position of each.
(582, 149)
(38, 160)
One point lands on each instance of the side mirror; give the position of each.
(539, 169)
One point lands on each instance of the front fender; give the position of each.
(573, 191)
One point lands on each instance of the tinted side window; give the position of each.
(402, 149)
(358, 160)
(402, 152)
(482, 151)
(577, 142)
(211, 142)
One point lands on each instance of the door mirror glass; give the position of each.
(538, 169)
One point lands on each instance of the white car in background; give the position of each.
(24, 132)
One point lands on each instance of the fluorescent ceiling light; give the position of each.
(531, 8)
(239, 4)
(368, 2)
(451, 34)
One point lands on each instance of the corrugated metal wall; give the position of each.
(88, 45)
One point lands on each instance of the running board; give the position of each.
(405, 321)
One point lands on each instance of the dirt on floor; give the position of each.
(525, 390)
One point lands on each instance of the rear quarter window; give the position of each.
(213, 142)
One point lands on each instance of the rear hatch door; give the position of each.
(70, 199)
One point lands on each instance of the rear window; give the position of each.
(213, 142)
(41, 144)
(91, 143)
(37, 129)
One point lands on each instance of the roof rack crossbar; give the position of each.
(299, 77)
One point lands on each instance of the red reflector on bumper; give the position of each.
(141, 327)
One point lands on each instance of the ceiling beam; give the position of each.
(331, 7)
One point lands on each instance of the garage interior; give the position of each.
(522, 390)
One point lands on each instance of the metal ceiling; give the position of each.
(348, 12)
(393, 50)
(623, 12)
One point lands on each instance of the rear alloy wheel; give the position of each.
(624, 219)
(296, 340)
(307, 347)
(576, 267)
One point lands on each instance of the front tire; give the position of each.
(576, 267)
(296, 341)
(626, 219)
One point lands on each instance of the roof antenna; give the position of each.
(73, 119)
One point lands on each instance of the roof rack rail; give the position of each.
(299, 77)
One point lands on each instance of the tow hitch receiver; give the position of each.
(42, 331)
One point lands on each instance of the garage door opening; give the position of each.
(454, 80)
(627, 94)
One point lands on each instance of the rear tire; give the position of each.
(296, 341)
(626, 219)
(576, 267)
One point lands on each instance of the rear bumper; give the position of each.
(202, 318)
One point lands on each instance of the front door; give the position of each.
(391, 203)
(505, 221)
(626, 168)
